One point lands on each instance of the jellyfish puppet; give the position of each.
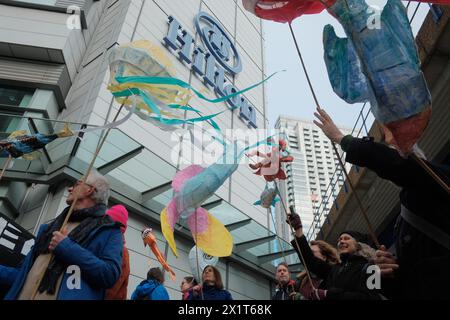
(143, 79)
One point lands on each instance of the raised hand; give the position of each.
(327, 125)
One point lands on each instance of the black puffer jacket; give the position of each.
(424, 263)
(344, 281)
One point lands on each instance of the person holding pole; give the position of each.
(81, 261)
(422, 231)
(346, 280)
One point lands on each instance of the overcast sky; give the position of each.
(288, 93)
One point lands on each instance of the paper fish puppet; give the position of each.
(380, 66)
(20, 144)
(268, 198)
(150, 240)
(192, 186)
(373, 64)
(270, 167)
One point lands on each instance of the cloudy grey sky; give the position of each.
(288, 93)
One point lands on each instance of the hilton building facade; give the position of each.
(54, 69)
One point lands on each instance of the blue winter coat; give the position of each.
(100, 265)
(150, 290)
(210, 293)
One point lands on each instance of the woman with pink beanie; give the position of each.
(119, 213)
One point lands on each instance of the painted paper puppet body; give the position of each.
(377, 62)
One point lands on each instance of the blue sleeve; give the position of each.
(228, 295)
(8, 275)
(103, 270)
(192, 296)
(160, 293)
(134, 295)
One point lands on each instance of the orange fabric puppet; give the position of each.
(150, 240)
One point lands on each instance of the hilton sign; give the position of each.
(211, 62)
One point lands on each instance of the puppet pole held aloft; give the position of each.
(358, 199)
(295, 238)
(304, 66)
(424, 165)
(363, 211)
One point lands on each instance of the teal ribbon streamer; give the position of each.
(155, 109)
(173, 81)
(181, 83)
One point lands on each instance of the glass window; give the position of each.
(9, 124)
(15, 96)
(44, 2)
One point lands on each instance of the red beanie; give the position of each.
(120, 214)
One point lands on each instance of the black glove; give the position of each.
(294, 220)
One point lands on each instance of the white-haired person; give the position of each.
(87, 254)
(422, 230)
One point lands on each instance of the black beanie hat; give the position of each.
(358, 236)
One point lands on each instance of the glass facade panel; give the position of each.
(15, 96)
(41, 2)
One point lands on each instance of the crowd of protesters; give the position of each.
(415, 267)
(93, 241)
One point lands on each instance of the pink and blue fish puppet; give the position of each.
(192, 186)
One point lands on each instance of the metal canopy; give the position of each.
(295, 266)
(212, 205)
(242, 246)
(237, 225)
(273, 256)
(111, 165)
(154, 192)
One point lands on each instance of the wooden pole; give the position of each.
(5, 166)
(358, 200)
(431, 173)
(295, 239)
(363, 211)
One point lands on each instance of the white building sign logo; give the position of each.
(211, 62)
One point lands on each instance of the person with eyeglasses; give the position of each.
(80, 262)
